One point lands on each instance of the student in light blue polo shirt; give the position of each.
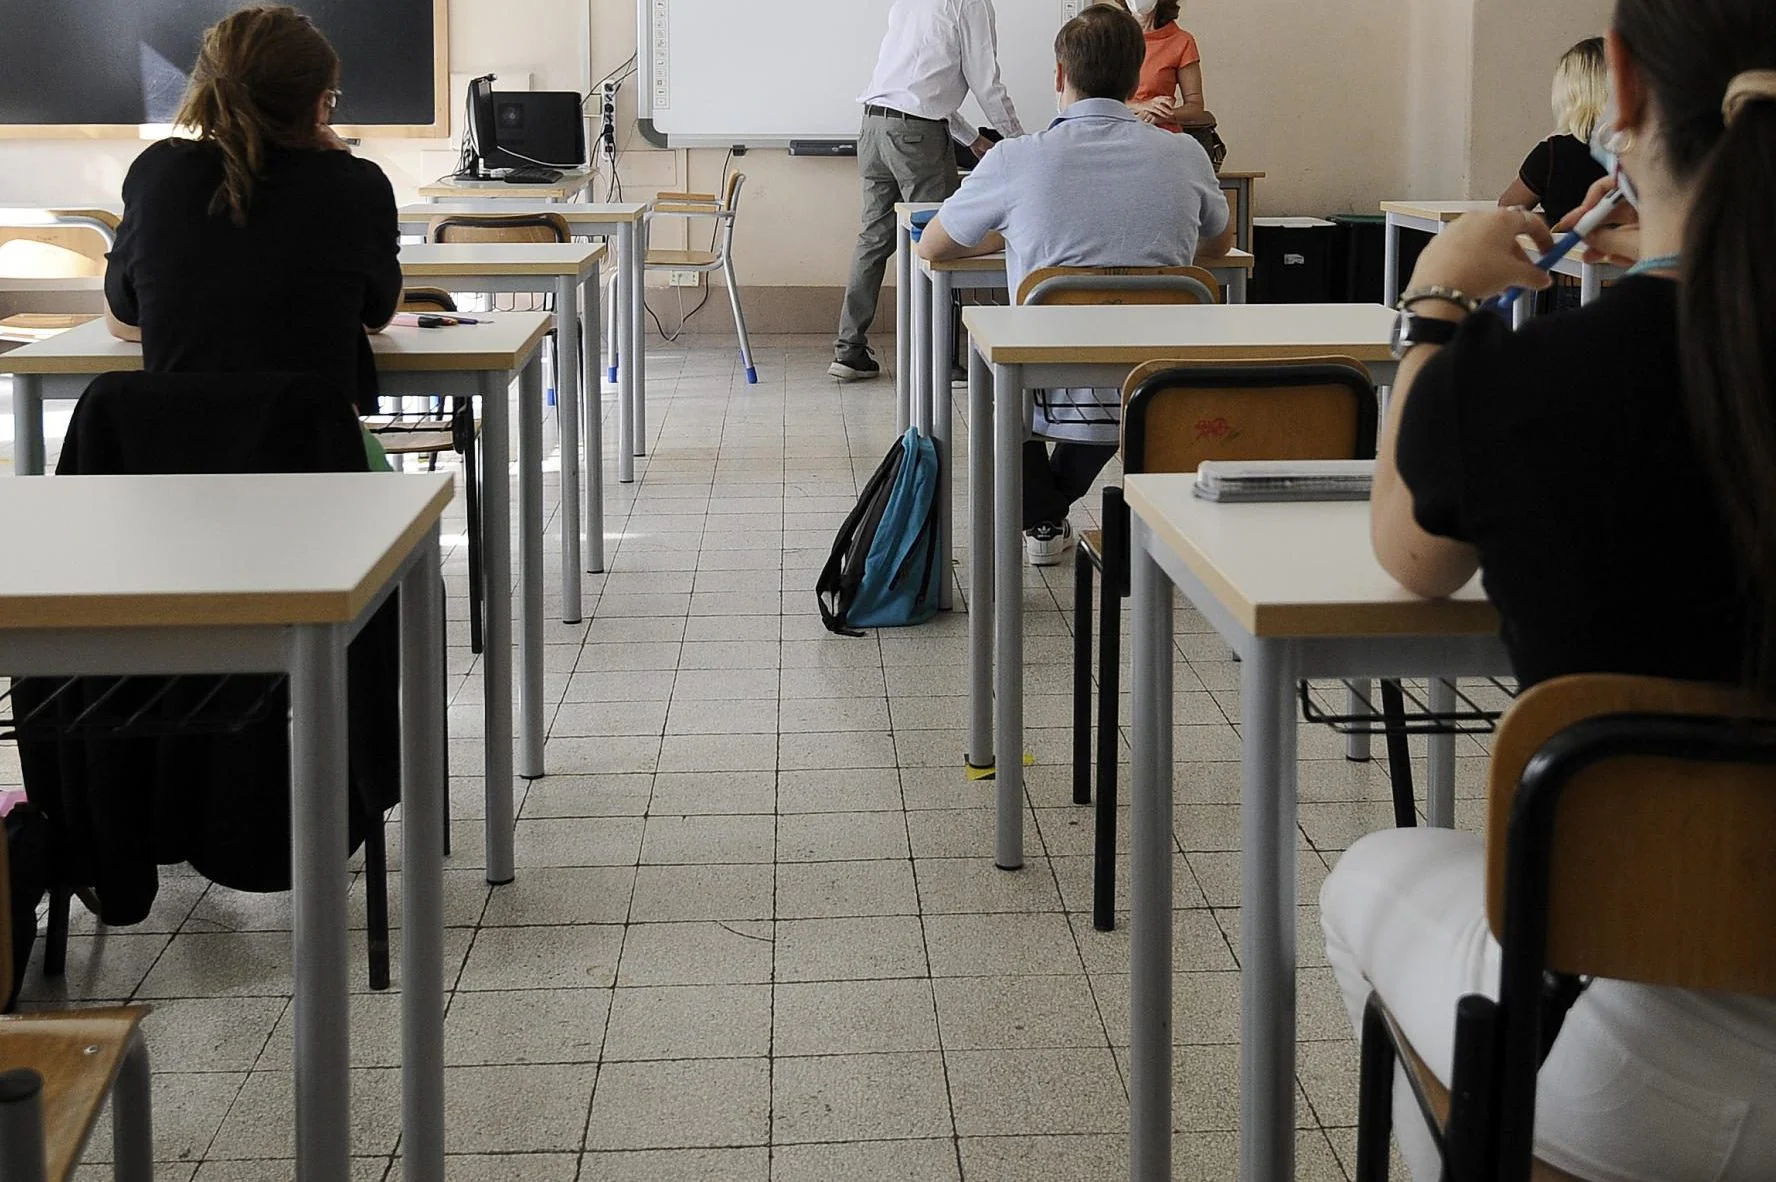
(1098, 188)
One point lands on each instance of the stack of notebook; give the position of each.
(1285, 480)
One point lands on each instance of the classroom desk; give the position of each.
(1015, 350)
(1433, 217)
(1240, 185)
(567, 269)
(102, 219)
(169, 575)
(569, 188)
(1294, 590)
(481, 360)
(627, 222)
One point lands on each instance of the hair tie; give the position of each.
(1753, 86)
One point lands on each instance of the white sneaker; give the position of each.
(1048, 543)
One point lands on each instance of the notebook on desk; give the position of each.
(1249, 481)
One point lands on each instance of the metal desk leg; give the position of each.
(622, 316)
(1590, 283)
(592, 423)
(1390, 263)
(422, 867)
(1008, 610)
(318, 857)
(638, 340)
(1236, 290)
(496, 656)
(1356, 744)
(567, 385)
(980, 562)
(132, 1110)
(942, 432)
(530, 570)
(1150, 929)
(28, 448)
(921, 346)
(1440, 792)
(1268, 813)
(943, 348)
(903, 328)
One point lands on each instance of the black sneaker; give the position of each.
(1048, 543)
(855, 365)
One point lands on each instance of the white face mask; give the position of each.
(1144, 7)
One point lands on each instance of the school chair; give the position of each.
(1630, 835)
(1320, 408)
(137, 772)
(57, 1069)
(719, 256)
(455, 429)
(510, 227)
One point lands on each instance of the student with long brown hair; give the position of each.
(1613, 473)
(262, 244)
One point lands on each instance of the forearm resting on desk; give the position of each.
(120, 330)
(936, 246)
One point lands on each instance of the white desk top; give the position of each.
(416, 218)
(456, 260)
(1233, 260)
(570, 185)
(503, 344)
(50, 215)
(1297, 569)
(60, 284)
(1133, 335)
(1436, 211)
(197, 551)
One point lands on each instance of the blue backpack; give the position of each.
(883, 571)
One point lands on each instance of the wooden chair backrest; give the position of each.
(1663, 871)
(427, 299)
(1308, 408)
(1085, 294)
(6, 966)
(523, 227)
(51, 252)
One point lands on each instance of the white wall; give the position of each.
(1343, 104)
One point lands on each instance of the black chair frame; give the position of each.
(1112, 567)
(1501, 1045)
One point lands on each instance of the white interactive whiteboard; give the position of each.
(765, 72)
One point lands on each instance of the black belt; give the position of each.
(891, 113)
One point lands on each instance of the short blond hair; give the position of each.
(1581, 89)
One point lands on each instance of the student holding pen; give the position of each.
(1613, 474)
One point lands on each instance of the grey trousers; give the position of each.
(901, 160)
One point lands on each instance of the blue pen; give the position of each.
(1586, 226)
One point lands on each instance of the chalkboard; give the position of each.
(124, 63)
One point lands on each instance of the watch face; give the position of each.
(1398, 345)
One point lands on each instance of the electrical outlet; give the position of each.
(684, 279)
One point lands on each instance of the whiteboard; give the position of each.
(764, 72)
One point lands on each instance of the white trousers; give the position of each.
(1643, 1085)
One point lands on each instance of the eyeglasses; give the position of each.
(333, 97)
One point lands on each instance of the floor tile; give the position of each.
(543, 958)
(720, 953)
(677, 1165)
(689, 1022)
(1036, 1091)
(859, 1098)
(810, 890)
(861, 948)
(671, 840)
(834, 837)
(529, 1107)
(853, 1017)
(681, 1104)
(525, 1026)
(904, 1161)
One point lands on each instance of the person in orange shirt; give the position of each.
(1171, 79)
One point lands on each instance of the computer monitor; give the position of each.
(537, 127)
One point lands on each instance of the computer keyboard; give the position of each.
(530, 175)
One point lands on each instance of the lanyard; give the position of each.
(1664, 262)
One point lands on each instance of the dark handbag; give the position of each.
(1201, 128)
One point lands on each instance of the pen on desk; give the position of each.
(1587, 225)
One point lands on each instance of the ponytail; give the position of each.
(1728, 319)
(258, 81)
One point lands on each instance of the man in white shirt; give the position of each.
(935, 53)
(1098, 188)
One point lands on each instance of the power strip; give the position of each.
(607, 128)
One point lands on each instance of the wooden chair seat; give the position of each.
(78, 1054)
(401, 441)
(1091, 544)
(687, 259)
